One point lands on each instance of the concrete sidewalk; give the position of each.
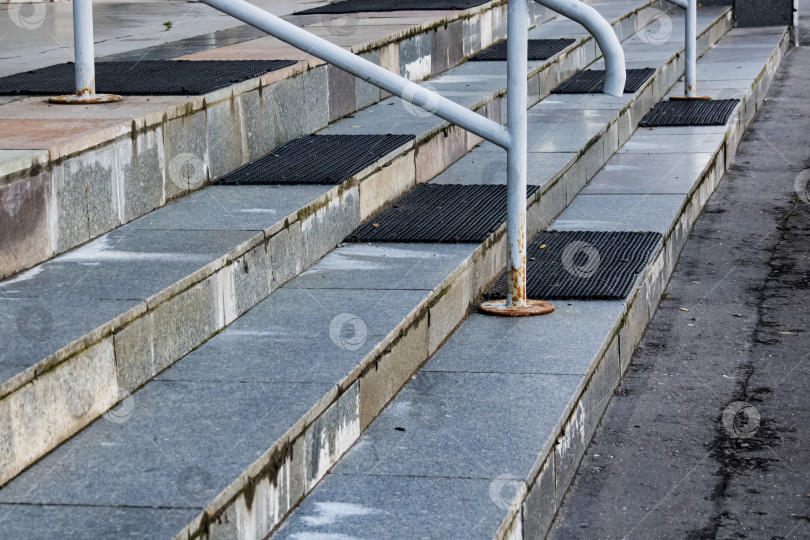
(707, 435)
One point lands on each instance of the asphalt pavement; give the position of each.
(707, 436)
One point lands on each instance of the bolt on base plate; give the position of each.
(530, 308)
(76, 99)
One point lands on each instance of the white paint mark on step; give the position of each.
(329, 513)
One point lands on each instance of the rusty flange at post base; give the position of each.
(530, 308)
(84, 99)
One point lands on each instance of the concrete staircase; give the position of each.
(485, 439)
(88, 328)
(225, 442)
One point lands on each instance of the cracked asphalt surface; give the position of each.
(707, 435)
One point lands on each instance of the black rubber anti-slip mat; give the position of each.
(539, 49)
(690, 112)
(439, 214)
(583, 265)
(592, 81)
(142, 78)
(316, 159)
(357, 6)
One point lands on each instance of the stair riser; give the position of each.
(557, 465)
(282, 482)
(130, 350)
(96, 183)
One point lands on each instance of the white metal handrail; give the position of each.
(609, 44)
(690, 44)
(512, 137)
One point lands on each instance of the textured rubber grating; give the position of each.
(691, 112)
(439, 214)
(539, 49)
(143, 78)
(583, 265)
(358, 6)
(316, 159)
(592, 81)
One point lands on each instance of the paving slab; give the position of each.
(564, 342)
(33, 330)
(384, 266)
(231, 208)
(462, 425)
(155, 454)
(483, 167)
(125, 264)
(393, 507)
(34, 522)
(635, 173)
(660, 141)
(300, 335)
(653, 213)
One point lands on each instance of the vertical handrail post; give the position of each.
(691, 49)
(517, 89)
(690, 44)
(85, 56)
(517, 67)
(83, 47)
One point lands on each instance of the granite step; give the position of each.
(226, 441)
(85, 330)
(485, 439)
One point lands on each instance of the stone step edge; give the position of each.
(456, 294)
(545, 485)
(87, 348)
(221, 131)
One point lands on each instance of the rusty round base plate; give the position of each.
(689, 98)
(74, 99)
(532, 307)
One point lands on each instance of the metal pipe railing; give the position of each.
(84, 51)
(517, 68)
(605, 37)
(512, 138)
(690, 43)
(364, 69)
